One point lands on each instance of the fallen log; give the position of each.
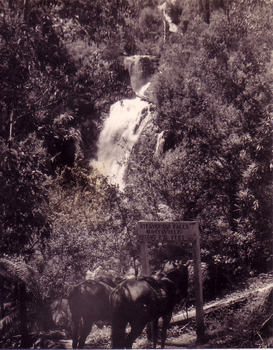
(231, 302)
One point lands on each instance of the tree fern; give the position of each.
(17, 270)
(21, 281)
(9, 324)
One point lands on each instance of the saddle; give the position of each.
(157, 286)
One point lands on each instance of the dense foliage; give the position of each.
(214, 100)
(61, 67)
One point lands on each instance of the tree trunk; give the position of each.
(10, 126)
(26, 4)
(204, 8)
(233, 212)
(2, 298)
(23, 315)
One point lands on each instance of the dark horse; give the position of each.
(144, 299)
(88, 302)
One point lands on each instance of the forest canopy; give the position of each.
(61, 68)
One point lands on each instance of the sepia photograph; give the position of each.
(136, 174)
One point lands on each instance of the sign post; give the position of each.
(200, 326)
(144, 250)
(176, 231)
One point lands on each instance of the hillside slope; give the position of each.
(241, 319)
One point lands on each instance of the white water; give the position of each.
(122, 128)
(159, 144)
(172, 26)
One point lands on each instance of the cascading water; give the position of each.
(126, 121)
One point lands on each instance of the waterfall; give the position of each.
(159, 144)
(172, 26)
(126, 120)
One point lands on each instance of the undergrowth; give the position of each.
(244, 326)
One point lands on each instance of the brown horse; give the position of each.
(145, 299)
(89, 303)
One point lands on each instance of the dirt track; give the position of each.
(260, 285)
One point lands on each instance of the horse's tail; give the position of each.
(72, 298)
(75, 316)
(116, 300)
(118, 317)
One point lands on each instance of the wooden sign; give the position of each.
(167, 231)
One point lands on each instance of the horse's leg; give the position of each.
(136, 330)
(75, 331)
(85, 330)
(118, 333)
(149, 331)
(166, 321)
(155, 332)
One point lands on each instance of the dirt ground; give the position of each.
(185, 341)
(182, 333)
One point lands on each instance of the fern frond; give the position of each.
(8, 321)
(15, 271)
(18, 271)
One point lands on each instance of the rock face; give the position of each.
(141, 68)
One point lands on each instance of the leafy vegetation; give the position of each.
(61, 65)
(213, 96)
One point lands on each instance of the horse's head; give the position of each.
(180, 276)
